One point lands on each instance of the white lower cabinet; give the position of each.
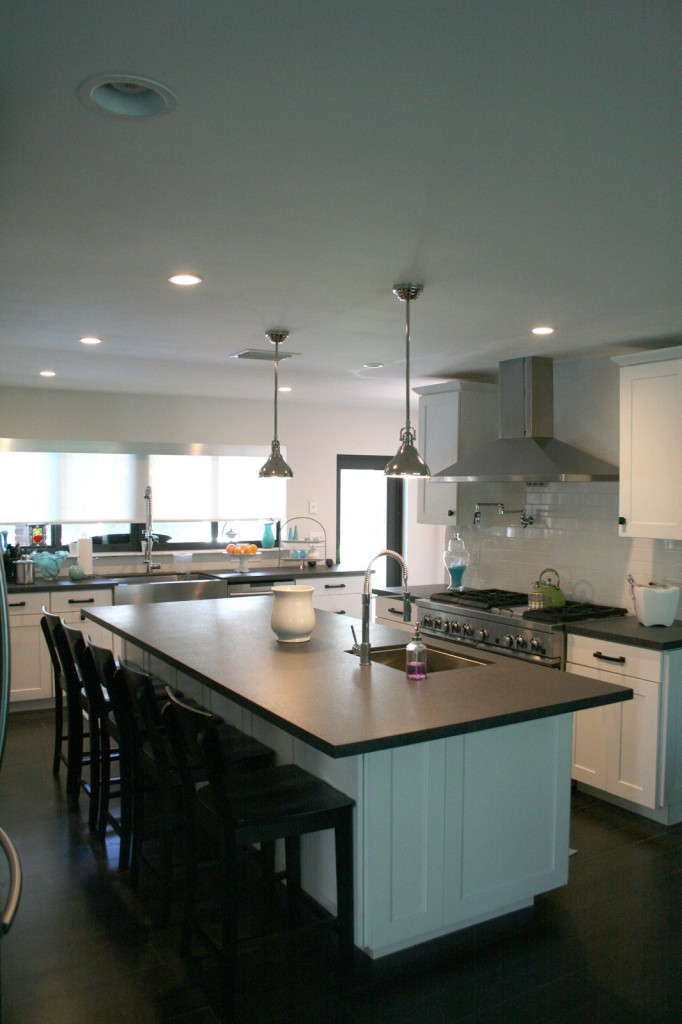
(631, 750)
(340, 594)
(388, 611)
(31, 669)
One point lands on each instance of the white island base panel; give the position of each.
(448, 833)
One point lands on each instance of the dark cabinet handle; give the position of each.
(81, 600)
(396, 611)
(605, 657)
(451, 511)
(334, 586)
(622, 520)
(16, 604)
(340, 613)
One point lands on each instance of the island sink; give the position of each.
(437, 660)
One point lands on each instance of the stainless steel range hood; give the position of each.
(526, 450)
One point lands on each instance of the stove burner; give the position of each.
(492, 598)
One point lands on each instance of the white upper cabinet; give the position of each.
(650, 432)
(456, 418)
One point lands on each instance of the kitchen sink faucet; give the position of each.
(149, 535)
(363, 648)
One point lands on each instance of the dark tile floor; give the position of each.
(606, 948)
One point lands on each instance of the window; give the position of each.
(199, 498)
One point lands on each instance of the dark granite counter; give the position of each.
(320, 693)
(421, 590)
(265, 575)
(627, 630)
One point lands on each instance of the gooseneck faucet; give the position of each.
(364, 648)
(149, 535)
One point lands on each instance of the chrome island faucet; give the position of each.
(363, 648)
(149, 535)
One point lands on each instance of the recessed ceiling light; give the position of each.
(284, 388)
(126, 96)
(47, 373)
(91, 340)
(543, 330)
(184, 279)
(373, 366)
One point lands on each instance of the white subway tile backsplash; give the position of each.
(576, 534)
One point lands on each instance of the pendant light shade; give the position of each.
(407, 461)
(275, 465)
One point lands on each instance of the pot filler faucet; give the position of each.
(364, 647)
(149, 535)
(526, 520)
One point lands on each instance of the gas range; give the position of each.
(501, 621)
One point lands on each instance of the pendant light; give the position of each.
(407, 461)
(275, 465)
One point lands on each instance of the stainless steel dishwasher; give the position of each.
(246, 588)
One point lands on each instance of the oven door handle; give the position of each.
(605, 657)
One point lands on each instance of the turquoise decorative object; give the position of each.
(268, 539)
(49, 562)
(76, 573)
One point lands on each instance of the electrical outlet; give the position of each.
(313, 507)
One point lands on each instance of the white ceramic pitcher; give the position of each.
(293, 615)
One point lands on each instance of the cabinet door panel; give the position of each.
(650, 425)
(632, 745)
(404, 798)
(31, 668)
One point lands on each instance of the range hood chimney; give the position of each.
(526, 450)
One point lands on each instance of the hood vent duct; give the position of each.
(526, 450)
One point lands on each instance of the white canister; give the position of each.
(293, 615)
(656, 605)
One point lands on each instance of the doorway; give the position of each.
(369, 515)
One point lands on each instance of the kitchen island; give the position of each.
(462, 782)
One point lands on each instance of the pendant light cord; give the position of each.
(408, 427)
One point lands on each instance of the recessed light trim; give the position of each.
(48, 373)
(184, 280)
(373, 366)
(284, 387)
(90, 340)
(126, 96)
(542, 329)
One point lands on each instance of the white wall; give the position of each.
(312, 434)
(576, 525)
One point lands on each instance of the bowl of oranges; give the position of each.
(244, 553)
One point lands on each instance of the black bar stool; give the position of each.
(68, 683)
(158, 804)
(283, 802)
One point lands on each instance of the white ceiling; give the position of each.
(521, 158)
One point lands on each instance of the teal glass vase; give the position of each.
(268, 538)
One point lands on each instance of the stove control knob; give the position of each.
(467, 629)
(507, 640)
(520, 641)
(446, 626)
(428, 621)
(535, 646)
(437, 622)
(482, 635)
(455, 627)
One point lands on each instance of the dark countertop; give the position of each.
(320, 693)
(421, 590)
(254, 575)
(627, 630)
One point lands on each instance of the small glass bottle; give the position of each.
(415, 657)
(456, 559)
